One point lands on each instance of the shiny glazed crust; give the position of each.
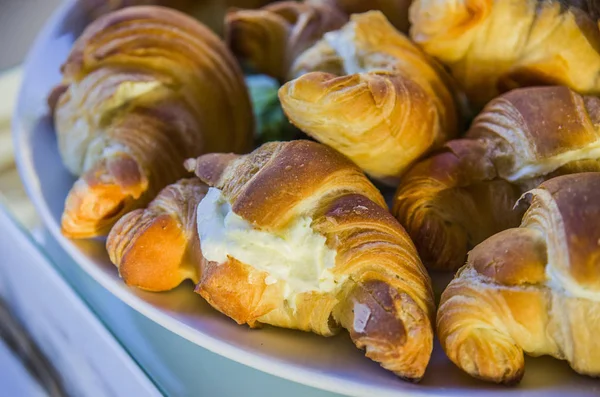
(369, 92)
(386, 300)
(455, 199)
(157, 248)
(545, 43)
(531, 289)
(143, 89)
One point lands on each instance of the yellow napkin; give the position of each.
(11, 189)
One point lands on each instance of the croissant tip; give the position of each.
(410, 379)
(514, 380)
(153, 253)
(74, 228)
(64, 230)
(508, 379)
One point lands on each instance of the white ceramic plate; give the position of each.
(332, 364)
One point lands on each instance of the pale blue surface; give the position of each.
(14, 378)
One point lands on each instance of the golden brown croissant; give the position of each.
(144, 88)
(294, 235)
(369, 92)
(209, 12)
(157, 248)
(492, 46)
(396, 11)
(532, 289)
(455, 199)
(270, 38)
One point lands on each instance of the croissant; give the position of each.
(545, 43)
(532, 289)
(396, 11)
(157, 248)
(212, 12)
(270, 38)
(209, 12)
(143, 89)
(294, 235)
(367, 91)
(460, 196)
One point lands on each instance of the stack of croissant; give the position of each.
(489, 132)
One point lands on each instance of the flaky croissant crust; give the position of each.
(532, 289)
(545, 43)
(270, 38)
(370, 93)
(455, 199)
(143, 88)
(157, 248)
(210, 12)
(280, 182)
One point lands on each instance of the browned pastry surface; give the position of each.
(492, 46)
(532, 289)
(143, 89)
(269, 39)
(157, 248)
(457, 198)
(367, 91)
(209, 12)
(382, 293)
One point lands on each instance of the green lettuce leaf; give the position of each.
(271, 123)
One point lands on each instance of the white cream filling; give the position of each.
(297, 256)
(537, 169)
(568, 286)
(338, 41)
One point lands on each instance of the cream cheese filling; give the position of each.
(338, 40)
(536, 169)
(297, 256)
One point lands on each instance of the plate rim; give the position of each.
(259, 361)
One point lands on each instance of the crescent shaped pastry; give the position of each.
(143, 89)
(294, 235)
(367, 91)
(462, 195)
(493, 46)
(534, 289)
